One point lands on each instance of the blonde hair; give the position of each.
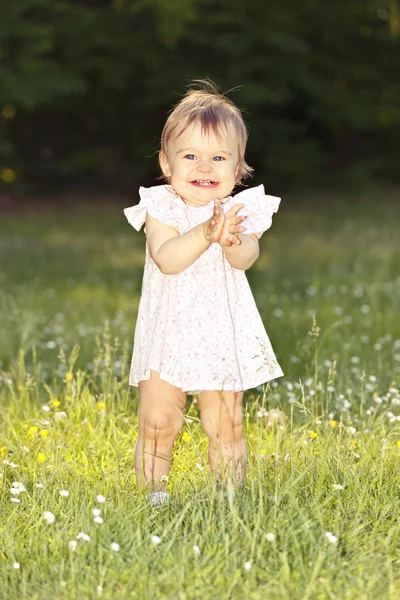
(214, 111)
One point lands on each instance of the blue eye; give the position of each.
(221, 157)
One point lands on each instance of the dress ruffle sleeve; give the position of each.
(258, 209)
(159, 203)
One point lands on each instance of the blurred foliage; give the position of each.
(85, 86)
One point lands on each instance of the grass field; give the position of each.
(319, 516)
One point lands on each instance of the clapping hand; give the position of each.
(231, 228)
(224, 228)
(213, 227)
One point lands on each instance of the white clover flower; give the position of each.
(49, 517)
(199, 466)
(155, 539)
(72, 545)
(96, 512)
(98, 520)
(100, 499)
(45, 408)
(114, 546)
(17, 487)
(40, 485)
(247, 566)
(196, 550)
(16, 565)
(337, 486)
(83, 536)
(64, 493)
(270, 537)
(352, 430)
(15, 500)
(99, 589)
(10, 464)
(332, 538)
(60, 416)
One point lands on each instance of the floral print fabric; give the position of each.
(200, 329)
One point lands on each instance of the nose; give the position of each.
(204, 166)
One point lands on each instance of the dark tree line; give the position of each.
(85, 86)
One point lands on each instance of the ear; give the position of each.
(164, 164)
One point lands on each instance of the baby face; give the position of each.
(201, 167)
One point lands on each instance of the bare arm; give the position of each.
(173, 253)
(242, 256)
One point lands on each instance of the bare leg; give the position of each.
(160, 420)
(222, 419)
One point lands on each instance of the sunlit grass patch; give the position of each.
(319, 514)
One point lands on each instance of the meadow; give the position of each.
(319, 515)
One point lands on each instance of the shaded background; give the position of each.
(85, 87)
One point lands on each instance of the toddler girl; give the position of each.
(198, 329)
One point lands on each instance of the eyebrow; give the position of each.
(216, 152)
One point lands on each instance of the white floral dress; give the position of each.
(200, 329)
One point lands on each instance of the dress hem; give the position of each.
(192, 390)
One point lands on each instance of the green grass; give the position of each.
(70, 287)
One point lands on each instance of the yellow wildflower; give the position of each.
(56, 403)
(20, 387)
(69, 376)
(41, 458)
(33, 430)
(262, 451)
(101, 406)
(44, 433)
(353, 443)
(313, 434)
(333, 423)
(398, 443)
(186, 437)
(8, 175)
(3, 450)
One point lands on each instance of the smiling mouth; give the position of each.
(204, 183)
